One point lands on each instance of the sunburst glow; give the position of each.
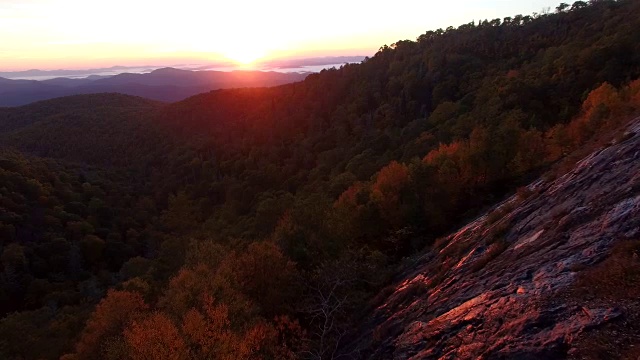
(244, 55)
(68, 33)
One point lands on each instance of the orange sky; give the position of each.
(48, 34)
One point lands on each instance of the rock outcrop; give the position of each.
(488, 290)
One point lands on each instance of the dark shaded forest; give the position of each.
(258, 223)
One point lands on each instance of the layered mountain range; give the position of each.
(167, 84)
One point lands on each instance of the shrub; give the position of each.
(494, 250)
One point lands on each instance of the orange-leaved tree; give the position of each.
(155, 337)
(391, 192)
(107, 322)
(601, 104)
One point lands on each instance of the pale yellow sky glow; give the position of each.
(48, 34)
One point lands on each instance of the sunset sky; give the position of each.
(48, 34)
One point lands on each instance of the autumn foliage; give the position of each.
(154, 337)
(204, 313)
(117, 310)
(390, 191)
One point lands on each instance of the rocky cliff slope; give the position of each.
(522, 281)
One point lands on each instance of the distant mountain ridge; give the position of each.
(65, 72)
(268, 65)
(166, 84)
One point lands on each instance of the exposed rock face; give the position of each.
(489, 292)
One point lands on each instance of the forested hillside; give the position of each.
(104, 129)
(259, 222)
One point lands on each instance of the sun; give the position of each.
(244, 55)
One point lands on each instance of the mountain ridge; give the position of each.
(167, 84)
